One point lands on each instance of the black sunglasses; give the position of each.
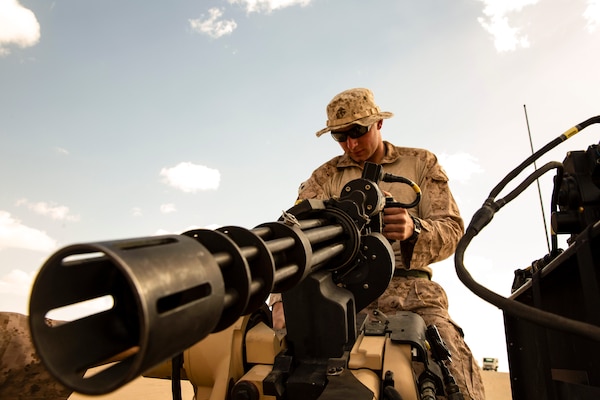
(355, 132)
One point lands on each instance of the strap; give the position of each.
(415, 273)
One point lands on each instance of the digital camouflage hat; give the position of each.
(353, 106)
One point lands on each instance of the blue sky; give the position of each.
(124, 119)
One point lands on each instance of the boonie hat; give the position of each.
(353, 106)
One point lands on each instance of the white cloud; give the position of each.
(214, 26)
(461, 166)
(14, 291)
(191, 178)
(506, 37)
(167, 208)
(592, 15)
(50, 210)
(18, 26)
(61, 150)
(14, 234)
(268, 5)
(16, 282)
(136, 212)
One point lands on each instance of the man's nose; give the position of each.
(351, 143)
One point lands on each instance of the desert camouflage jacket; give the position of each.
(22, 375)
(442, 226)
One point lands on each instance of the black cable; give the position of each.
(484, 215)
(566, 135)
(400, 179)
(529, 180)
(515, 308)
(176, 365)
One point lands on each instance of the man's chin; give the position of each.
(358, 157)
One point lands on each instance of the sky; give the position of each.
(129, 119)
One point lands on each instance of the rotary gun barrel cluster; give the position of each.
(169, 292)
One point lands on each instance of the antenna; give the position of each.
(537, 180)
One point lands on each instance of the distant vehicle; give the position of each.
(490, 364)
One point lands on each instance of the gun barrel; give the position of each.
(171, 291)
(162, 288)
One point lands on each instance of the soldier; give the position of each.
(422, 235)
(22, 375)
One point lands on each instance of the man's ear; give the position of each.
(379, 124)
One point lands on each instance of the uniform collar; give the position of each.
(391, 155)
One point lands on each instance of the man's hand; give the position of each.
(398, 225)
(278, 316)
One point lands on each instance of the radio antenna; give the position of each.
(537, 180)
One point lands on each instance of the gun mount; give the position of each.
(328, 258)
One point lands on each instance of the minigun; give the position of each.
(328, 259)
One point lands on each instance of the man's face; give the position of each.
(363, 148)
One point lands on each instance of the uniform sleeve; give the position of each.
(22, 374)
(318, 186)
(442, 225)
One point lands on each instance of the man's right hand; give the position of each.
(397, 223)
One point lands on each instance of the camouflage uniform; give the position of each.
(442, 227)
(22, 375)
